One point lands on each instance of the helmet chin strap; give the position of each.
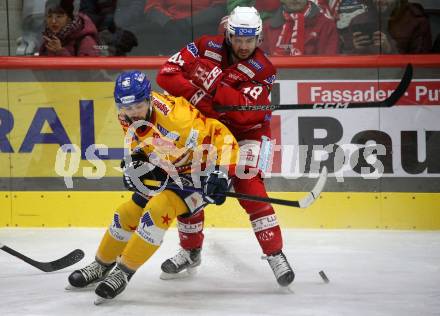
(149, 111)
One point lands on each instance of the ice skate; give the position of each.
(88, 276)
(113, 285)
(182, 265)
(281, 268)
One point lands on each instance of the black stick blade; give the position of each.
(64, 262)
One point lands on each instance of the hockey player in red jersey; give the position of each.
(230, 70)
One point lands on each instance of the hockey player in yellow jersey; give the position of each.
(191, 157)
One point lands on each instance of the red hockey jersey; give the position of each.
(247, 82)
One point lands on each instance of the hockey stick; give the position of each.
(388, 102)
(303, 203)
(51, 266)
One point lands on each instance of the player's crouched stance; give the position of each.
(165, 135)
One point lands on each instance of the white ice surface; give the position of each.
(371, 273)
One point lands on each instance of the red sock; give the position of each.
(191, 230)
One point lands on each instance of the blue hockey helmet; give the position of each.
(131, 87)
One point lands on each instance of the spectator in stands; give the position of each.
(67, 34)
(324, 5)
(32, 25)
(101, 12)
(113, 40)
(391, 27)
(343, 11)
(266, 8)
(179, 22)
(299, 27)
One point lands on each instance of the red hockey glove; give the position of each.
(203, 102)
(205, 74)
(233, 78)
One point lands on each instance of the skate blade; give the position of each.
(189, 272)
(100, 300)
(72, 288)
(286, 289)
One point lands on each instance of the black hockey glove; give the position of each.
(217, 183)
(135, 156)
(140, 168)
(128, 165)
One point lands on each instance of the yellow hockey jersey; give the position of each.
(179, 134)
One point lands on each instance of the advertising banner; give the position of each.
(60, 142)
(37, 119)
(76, 123)
(401, 141)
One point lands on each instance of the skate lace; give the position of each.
(278, 263)
(116, 279)
(93, 271)
(182, 257)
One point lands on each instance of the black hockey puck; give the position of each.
(324, 277)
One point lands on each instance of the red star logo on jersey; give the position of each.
(166, 220)
(201, 117)
(217, 132)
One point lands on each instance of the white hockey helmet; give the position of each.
(244, 21)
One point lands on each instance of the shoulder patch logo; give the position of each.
(192, 48)
(254, 63)
(215, 45)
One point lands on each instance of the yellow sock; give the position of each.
(137, 252)
(125, 221)
(160, 212)
(109, 248)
